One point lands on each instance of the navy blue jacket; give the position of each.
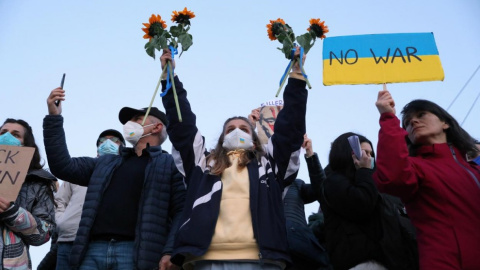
(268, 176)
(160, 204)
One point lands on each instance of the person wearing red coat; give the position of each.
(424, 163)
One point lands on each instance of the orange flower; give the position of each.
(274, 28)
(182, 17)
(155, 26)
(318, 27)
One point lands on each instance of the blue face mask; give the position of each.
(372, 165)
(476, 160)
(107, 147)
(8, 139)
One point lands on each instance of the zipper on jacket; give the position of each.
(260, 258)
(255, 226)
(465, 168)
(136, 242)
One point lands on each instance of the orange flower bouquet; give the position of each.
(160, 38)
(279, 30)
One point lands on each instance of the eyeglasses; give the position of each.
(113, 139)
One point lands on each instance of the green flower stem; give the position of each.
(175, 92)
(291, 41)
(285, 78)
(306, 79)
(154, 95)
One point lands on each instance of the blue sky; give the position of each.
(231, 68)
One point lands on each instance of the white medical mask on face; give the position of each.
(237, 139)
(133, 132)
(8, 139)
(107, 147)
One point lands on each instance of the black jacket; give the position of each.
(351, 222)
(267, 177)
(160, 204)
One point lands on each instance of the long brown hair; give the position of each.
(219, 155)
(28, 140)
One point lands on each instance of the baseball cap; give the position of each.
(127, 113)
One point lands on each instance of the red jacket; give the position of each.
(441, 192)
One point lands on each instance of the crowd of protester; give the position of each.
(240, 205)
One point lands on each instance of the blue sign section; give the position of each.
(379, 45)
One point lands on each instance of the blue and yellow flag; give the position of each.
(381, 58)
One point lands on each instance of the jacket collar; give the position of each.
(440, 149)
(152, 151)
(42, 174)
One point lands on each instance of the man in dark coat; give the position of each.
(134, 199)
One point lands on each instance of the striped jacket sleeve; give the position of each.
(285, 144)
(188, 143)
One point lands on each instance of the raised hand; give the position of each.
(385, 102)
(254, 117)
(56, 94)
(307, 145)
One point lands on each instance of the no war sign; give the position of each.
(381, 58)
(14, 163)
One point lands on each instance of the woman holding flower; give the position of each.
(233, 216)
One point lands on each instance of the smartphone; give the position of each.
(61, 86)
(355, 144)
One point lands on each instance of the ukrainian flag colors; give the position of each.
(381, 58)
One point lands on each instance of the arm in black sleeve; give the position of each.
(316, 173)
(73, 170)
(185, 136)
(286, 142)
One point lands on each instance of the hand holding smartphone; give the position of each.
(61, 86)
(355, 144)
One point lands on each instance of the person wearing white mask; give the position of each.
(133, 199)
(233, 217)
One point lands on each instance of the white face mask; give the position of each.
(133, 132)
(237, 139)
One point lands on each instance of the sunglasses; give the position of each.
(113, 139)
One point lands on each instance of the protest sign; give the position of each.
(14, 163)
(268, 114)
(381, 58)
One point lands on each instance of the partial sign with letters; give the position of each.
(268, 114)
(381, 58)
(14, 163)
